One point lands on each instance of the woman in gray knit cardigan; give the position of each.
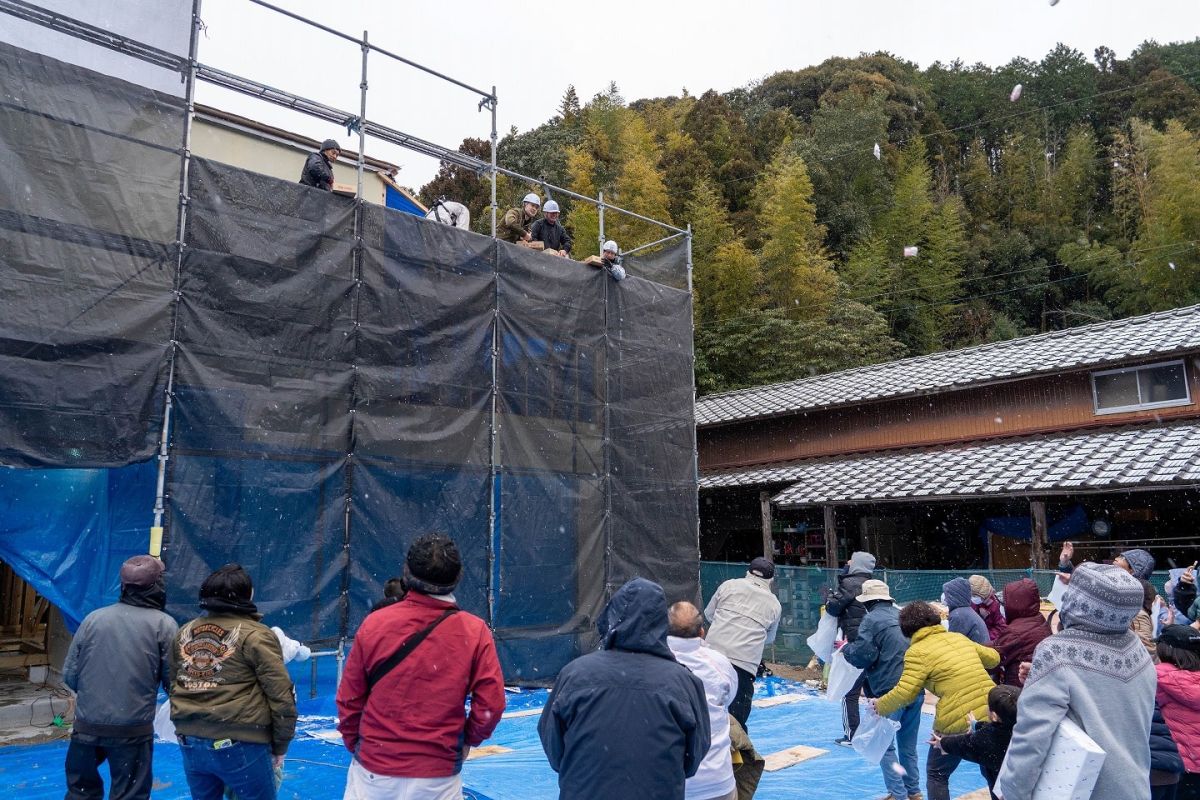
(1097, 673)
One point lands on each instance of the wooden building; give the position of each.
(970, 458)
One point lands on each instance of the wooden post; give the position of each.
(768, 537)
(1038, 543)
(831, 550)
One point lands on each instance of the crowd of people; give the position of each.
(531, 224)
(1006, 677)
(662, 707)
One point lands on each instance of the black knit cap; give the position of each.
(433, 565)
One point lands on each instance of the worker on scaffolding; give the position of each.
(318, 169)
(551, 233)
(514, 226)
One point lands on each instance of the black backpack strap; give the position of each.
(377, 674)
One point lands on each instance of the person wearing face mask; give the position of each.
(956, 594)
(983, 598)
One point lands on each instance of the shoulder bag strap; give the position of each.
(377, 674)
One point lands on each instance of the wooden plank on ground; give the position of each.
(525, 712)
(780, 699)
(485, 750)
(978, 794)
(791, 757)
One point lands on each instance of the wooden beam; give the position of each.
(768, 536)
(1038, 543)
(831, 545)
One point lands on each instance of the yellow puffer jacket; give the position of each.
(951, 666)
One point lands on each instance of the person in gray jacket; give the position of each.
(119, 657)
(1096, 673)
(879, 652)
(743, 617)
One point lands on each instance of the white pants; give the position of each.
(364, 785)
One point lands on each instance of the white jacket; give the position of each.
(715, 777)
(743, 616)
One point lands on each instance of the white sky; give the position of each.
(531, 51)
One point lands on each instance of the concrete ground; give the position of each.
(28, 711)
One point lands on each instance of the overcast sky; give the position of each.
(530, 52)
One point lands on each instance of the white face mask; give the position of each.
(976, 601)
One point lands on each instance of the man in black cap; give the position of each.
(744, 616)
(119, 657)
(318, 169)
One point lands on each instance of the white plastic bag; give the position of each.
(874, 736)
(1072, 765)
(821, 642)
(841, 678)
(1056, 593)
(164, 729)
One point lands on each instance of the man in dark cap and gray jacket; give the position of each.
(119, 657)
(743, 617)
(318, 169)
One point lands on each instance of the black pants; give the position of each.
(1189, 786)
(850, 707)
(130, 767)
(938, 768)
(739, 709)
(1165, 792)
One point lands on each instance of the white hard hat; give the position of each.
(551, 207)
(610, 245)
(532, 198)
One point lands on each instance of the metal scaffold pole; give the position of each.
(160, 493)
(495, 143)
(600, 209)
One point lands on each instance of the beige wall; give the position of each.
(279, 160)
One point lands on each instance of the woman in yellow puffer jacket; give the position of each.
(952, 667)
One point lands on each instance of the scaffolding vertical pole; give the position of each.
(600, 209)
(362, 119)
(493, 104)
(156, 530)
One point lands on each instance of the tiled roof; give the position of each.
(1104, 343)
(1116, 458)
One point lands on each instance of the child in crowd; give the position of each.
(1179, 697)
(987, 742)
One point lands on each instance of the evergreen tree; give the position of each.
(798, 275)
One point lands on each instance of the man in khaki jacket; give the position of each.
(232, 700)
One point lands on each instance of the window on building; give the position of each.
(1151, 386)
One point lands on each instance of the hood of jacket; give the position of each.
(1101, 598)
(861, 563)
(635, 620)
(957, 592)
(1141, 562)
(1022, 599)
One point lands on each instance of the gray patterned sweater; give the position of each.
(1104, 681)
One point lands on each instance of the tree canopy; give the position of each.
(864, 208)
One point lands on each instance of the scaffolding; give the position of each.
(192, 70)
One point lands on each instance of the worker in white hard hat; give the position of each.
(514, 227)
(550, 232)
(610, 260)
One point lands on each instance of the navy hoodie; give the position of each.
(964, 618)
(629, 720)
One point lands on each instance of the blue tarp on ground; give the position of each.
(317, 768)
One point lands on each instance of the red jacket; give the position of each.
(1025, 630)
(1179, 698)
(413, 724)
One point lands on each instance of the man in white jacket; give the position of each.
(743, 617)
(685, 636)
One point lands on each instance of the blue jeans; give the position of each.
(244, 767)
(901, 786)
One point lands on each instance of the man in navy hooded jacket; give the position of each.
(629, 720)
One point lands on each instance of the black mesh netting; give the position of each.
(346, 378)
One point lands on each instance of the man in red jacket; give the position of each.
(401, 700)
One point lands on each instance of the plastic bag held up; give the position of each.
(821, 642)
(874, 735)
(841, 678)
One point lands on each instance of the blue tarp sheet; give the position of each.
(317, 768)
